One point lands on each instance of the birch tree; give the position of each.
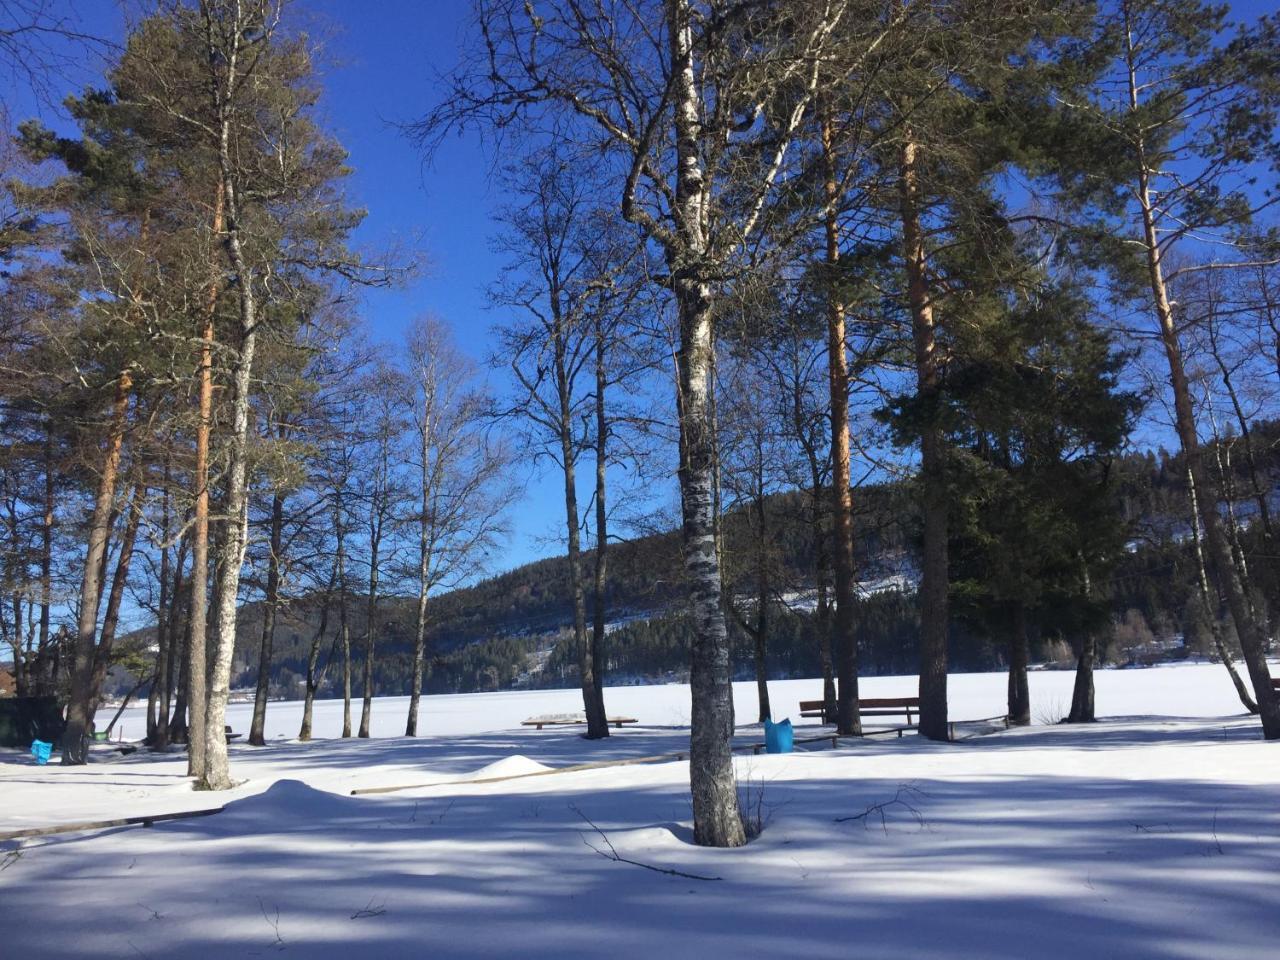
(461, 486)
(695, 108)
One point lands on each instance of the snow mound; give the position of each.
(512, 766)
(286, 803)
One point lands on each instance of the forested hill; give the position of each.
(512, 627)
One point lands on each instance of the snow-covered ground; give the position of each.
(1155, 833)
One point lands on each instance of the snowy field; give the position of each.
(1155, 833)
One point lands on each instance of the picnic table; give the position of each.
(569, 719)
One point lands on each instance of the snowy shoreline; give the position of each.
(1154, 833)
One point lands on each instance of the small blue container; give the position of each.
(778, 737)
(41, 750)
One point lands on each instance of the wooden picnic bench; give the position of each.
(868, 707)
(569, 719)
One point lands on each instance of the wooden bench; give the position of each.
(869, 707)
(231, 736)
(570, 719)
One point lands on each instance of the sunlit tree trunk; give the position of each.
(198, 617)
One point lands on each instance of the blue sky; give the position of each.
(377, 68)
(379, 62)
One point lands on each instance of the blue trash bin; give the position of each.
(41, 750)
(778, 737)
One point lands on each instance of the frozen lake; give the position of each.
(1186, 690)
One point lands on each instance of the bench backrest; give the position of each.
(889, 702)
(868, 702)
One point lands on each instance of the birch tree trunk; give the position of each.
(717, 818)
(217, 775)
(424, 565)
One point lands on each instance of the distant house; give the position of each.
(7, 685)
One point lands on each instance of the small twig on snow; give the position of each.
(612, 854)
(370, 909)
(879, 809)
(1216, 842)
(273, 923)
(155, 914)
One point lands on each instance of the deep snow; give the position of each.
(1155, 833)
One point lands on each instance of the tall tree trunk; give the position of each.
(761, 632)
(933, 569)
(154, 719)
(1219, 552)
(344, 628)
(75, 736)
(313, 657)
(197, 654)
(258, 726)
(848, 715)
(217, 775)
(597, 725)
(175, 650)
(717, 818)
(179, 731)
(1019, 654)
(1082, 699)
(115, 597)
(371, 617)
(822, 567)
(424, 562)
(602, 523)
